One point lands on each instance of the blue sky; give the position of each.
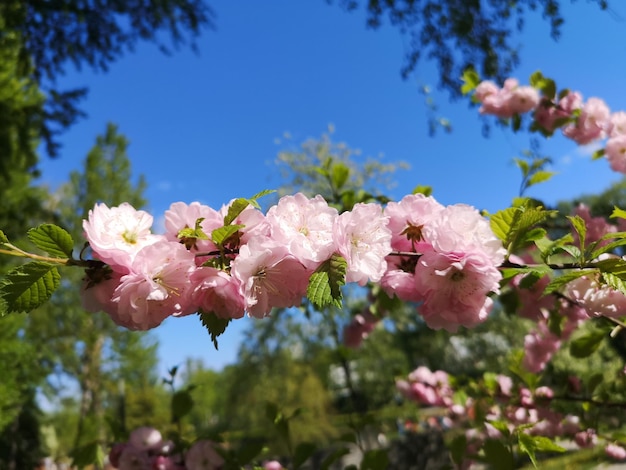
(205, 126)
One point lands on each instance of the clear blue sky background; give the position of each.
(204, 126)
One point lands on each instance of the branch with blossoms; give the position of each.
(453, 263)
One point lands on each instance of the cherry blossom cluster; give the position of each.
(444, 258)
(583, 298)
(146, 450)
(458, 266)
(582, 121)
(519, 407)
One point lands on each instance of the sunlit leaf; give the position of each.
(52, 239)
(221, 234)
(540, 177)
(29, 286)
(558, 282)
(325, 283)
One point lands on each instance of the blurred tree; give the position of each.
(289, 383)
(43, 37)
(458, 33)
(21, 443)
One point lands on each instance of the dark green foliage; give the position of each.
(39, 39)
(20, 442)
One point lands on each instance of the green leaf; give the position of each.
(250, 449)
(88, 454)
(375, 459)
(458, 449)
(516, 122)
(530, 444)
(581, 228)
(549, 247)
(585, 345)
(302, 453)
(540, 177)
(470, 80)
(339, 175)
(502, 221)
(537, 271)
(512, 225)
(325, 283)
(422, 189)
(614, 282)
(599, 249)
(534, 234)
(497, 455)
(195, 232)
(333, 457)
(593, 382)
(214, 325)
(221, 234)
(618, 213)
(52, 239)
(598, 154)
(522, 165)
(3, 238)
(28, 286)
(236, 208)
(182, 404)
(558, 282)
(536, 78)
(265, 192)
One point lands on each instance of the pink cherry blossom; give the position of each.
(505, 384)
(269, 276)
(97, 294)
(180, 216)
(157, 286)
(116, 234)
(460, 228)
(203, 456)
(597, 300)
(217, 292)
(532, 303)
(252, 219)
(272, 465)
(145, 437)
(358, 329)
(484, 89)
(617, 124)
(305, 226)
(407, 219)
(615, 152)
(134, 458)
(539, 346)
(455, 288)
(586, 439)
(615, 452)
(508, 101)
(591, 124)
(364, 240)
